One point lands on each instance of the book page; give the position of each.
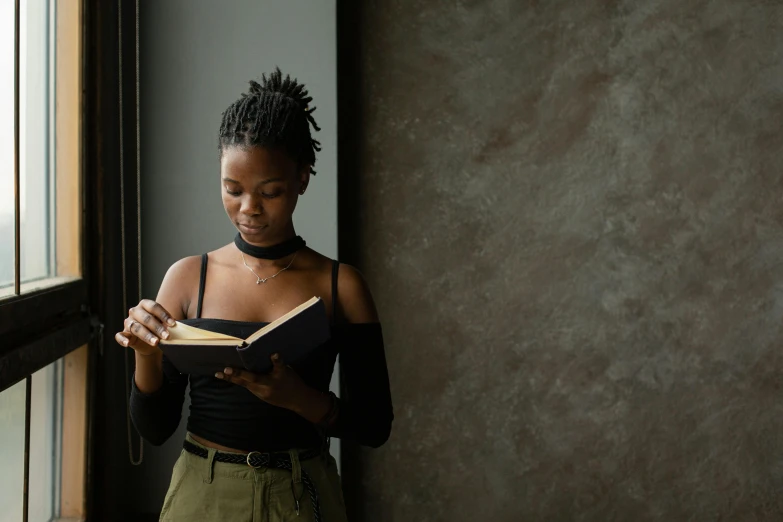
(274, 324)
(201, 342)
(184, 332)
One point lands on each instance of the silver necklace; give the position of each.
(260, 279)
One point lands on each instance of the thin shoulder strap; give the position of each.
(201, 284)
(335, 270)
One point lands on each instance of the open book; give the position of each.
(201, 352)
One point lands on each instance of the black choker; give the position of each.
(273, 252)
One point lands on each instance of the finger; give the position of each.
(158, 311)
(127, 334)
(141, 332)
(141, 315)
(233, 379)
(242, 375)
(122, 339)
(132, 341)
(278, 365)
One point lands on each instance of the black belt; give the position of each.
(256, 459)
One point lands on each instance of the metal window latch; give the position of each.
(96, 330)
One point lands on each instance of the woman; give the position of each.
(257, 445)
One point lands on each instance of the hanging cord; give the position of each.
(130, 427)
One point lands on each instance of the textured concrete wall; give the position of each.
(574, 230)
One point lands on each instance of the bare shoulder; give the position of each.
(184, 269)
(354, 296)
(176, 290)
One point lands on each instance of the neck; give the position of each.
(278, 251)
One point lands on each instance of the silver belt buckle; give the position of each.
(249, 455)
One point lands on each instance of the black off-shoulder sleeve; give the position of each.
(366, 412)
(157, 415)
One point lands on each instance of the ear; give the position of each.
(304, 178)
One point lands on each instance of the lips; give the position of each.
(251, 228)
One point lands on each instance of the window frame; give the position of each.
(29, 320)
(39, 327)
(58, 320)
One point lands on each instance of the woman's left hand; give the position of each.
(281, 387)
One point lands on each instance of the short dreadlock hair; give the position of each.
(273, 113)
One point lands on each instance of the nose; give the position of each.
(251, 206)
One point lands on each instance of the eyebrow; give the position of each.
(265, 182)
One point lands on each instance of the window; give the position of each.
(47, 145)
(44, 321)
(57, 430)
(12, 416)
(7, 228)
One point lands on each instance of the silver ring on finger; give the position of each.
(130, 326)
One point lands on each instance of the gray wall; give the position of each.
(196, 58)
(572, 223)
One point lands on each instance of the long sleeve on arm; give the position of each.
(157, 415)
(366, 412)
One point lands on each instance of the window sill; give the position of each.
(30, 357)
(29, 287)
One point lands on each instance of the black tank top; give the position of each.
(230, 415)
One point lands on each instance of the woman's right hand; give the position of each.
(144, 327)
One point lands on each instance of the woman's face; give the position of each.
(260, 189)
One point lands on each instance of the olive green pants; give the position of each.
(204, 490)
